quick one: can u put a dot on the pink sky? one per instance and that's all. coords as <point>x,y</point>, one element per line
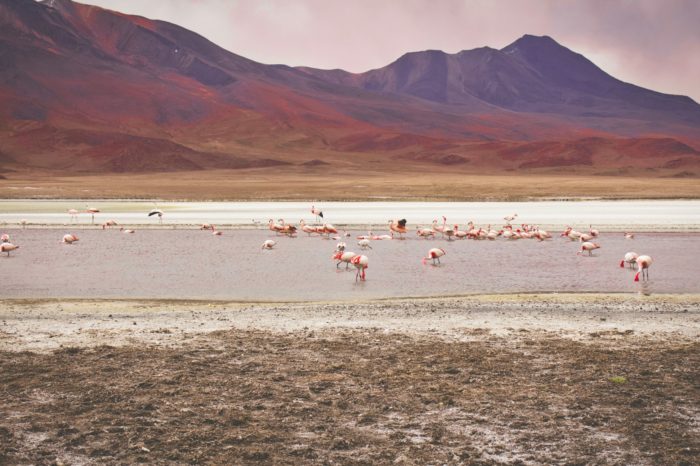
<point>651,43</point>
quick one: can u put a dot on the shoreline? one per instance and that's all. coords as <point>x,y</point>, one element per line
<point>48,324</point>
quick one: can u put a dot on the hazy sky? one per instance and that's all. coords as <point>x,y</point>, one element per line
<point>651,43</point>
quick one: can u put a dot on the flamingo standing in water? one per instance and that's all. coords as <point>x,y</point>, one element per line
<point>434,254</point>
<point>587,246</point>
<point>425,233</point>
<point>268,244</point>
<point>109,224</point>
<point>157,212</point>
<point>440,229</point>
<point>629,235</point>
<point>643,264</point>
<point>509,218</point>
<point>309,230</point>
<point>593,232</point>
<point>398,227</point>
<point>69,239</point>
<point>328,229</point>
<point>361,263</point>
<point>449,232</point>
<point>317,213</point>
<point>460,234</point>
<point>5,238</point>
<point>128,232</point>
<point>630,259</point>
<point>572,234</point>
<point>344,256</point>
<point>92,211</point>
<point>206,226</point>
<point>7,247</point>
<point>364,243</point>
<point>73,215</point>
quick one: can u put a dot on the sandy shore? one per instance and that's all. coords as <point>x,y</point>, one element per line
<point>518,379</point>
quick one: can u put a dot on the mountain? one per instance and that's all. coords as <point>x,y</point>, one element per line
<point>84,89</point>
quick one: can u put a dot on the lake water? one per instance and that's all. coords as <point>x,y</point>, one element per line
<point>652,215</point>
<point>166,263</point>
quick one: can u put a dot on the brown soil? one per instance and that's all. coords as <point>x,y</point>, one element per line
<point>361,395</point>
<point>377,181</point>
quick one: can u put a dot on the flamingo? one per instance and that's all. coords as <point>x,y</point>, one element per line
<point>309,230</point>
<point>276,227</point>
<point>340,247</point>
<point>593,232</point>
<point>425,233</point>
<point>207,226</point>
<point>587,246</point>
<point>92,211</point>
<point>364,243</point>
<point>460,234</point>
<point>585,237</point>
<point>7,247</point>
<point>434,254</point>
<point>317,213</point>
<point>108,224</point>
<point>361,263</point>
<point>643,264</point>
<point>449,232</point>
<point>327,229</point>
<point>217,232</point>
<point>289,230</point>
<point>630,259</point>
<point>629,235</point>
<point>342,256</point>
<point>509,218</point>
<point>73,215</point>
<point>69,239</point>
<point>440,229</point>
<point>398,227</point>
<point>572,234</point>
<point>127,231</point>
<point>268,244</point>
<point>493,234</point>
<point>157,212</point>
<point>5,238</point>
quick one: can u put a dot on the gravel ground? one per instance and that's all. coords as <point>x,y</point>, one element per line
<point>509,379</point>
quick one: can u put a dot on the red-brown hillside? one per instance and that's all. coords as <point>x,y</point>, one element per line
<point>83,89</point>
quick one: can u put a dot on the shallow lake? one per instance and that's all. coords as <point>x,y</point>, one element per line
<point>167,263</point>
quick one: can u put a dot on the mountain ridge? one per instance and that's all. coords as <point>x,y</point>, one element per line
<point>84,74</point>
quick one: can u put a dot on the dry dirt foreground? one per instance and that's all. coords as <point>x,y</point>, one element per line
<point>515,379</point>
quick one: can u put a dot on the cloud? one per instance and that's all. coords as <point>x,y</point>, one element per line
<point>655,44</point>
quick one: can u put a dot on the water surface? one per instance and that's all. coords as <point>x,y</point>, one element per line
<point>195,264</point>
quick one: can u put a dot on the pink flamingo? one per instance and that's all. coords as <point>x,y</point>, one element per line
<point>317,213</point>
<point>92,211</point>
<point>268,244</point>
<point>643,264</point>
<point>7,247</point>
<point>629,235</point>
<point>587,246</point>
<point>309,230</point>
<point>361,263</point>
<point>5,238</point>
<point>592,231</point>
<point>630,259</point>
<point>73,215</point>
<point>344,256</point>
<point>109,224</point>
<point>69,239</point>
<point>434,254</point>
<point>129,232</point>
